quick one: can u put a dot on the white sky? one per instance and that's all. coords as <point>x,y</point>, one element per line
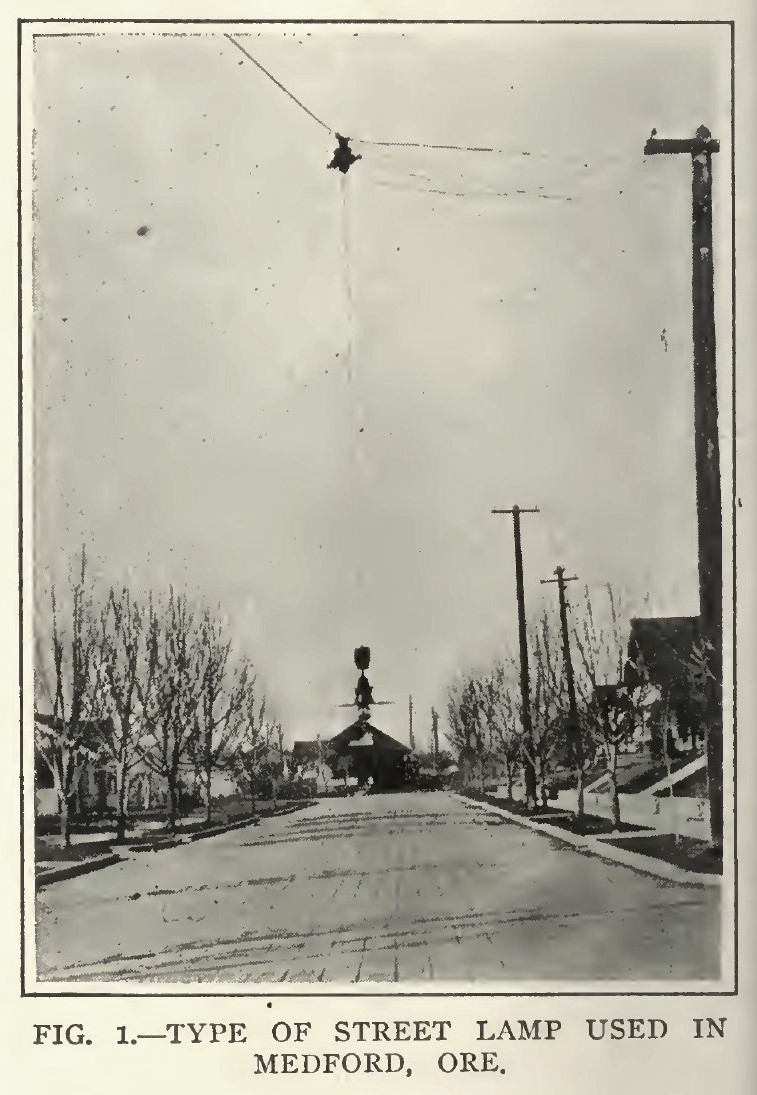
<point>200,390</point>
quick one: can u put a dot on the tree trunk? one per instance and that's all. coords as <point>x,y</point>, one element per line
<point>208,796</point>
<point>510,776</point>
<point>65,832</point>
<point>530,781</point>
<point>580,791</point>
<point>671,807</point>
<point>173,805</point>
<point>208,776</point>
<point>121,782</point>
<point>540,792</point>
<point>613,774</point>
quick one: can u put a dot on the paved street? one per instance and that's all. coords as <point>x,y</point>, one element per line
<point>406,887</point>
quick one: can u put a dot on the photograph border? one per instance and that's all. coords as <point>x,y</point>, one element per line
<point>23,211</point>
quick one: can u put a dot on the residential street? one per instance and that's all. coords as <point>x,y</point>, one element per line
<point>402,887</point>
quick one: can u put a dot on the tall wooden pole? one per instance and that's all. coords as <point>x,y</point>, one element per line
<point>529,770</point>
<point>706,445</point>
<point>435,733</point>
<point>410,719</point>
<point>575,743</point>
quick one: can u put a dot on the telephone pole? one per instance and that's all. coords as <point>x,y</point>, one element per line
<point>529,770</point>
<point>575,744</point>
<point>706,444</point>
<point>410,718</point>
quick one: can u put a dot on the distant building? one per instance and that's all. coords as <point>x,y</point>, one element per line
<point>361,752</point>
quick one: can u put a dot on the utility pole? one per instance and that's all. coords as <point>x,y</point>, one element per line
<point>575,744</point>
<point>410,718</point>
<point>529,771</point>
<point>435,733</point>
<point>706,444</point>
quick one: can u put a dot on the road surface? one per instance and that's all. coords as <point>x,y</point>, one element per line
<point>406,887</point>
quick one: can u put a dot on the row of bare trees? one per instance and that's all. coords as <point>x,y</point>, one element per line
<point>485,707</point>
<point>128,682</point>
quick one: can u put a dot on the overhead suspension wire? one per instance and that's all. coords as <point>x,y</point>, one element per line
<point>514,153</point>
<point>420,144</point>
<point>368,140</point>
<point>279,84</point>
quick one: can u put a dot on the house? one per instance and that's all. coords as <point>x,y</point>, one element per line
<point>360,752</point>
<point>95,787</point>
<point>660,651</point>
<point>364,751</point>
<point>661,774</point>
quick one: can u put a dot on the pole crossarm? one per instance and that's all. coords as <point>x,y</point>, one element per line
<point>703,141</point>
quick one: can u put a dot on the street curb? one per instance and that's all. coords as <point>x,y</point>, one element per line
<point>202,834</point>
<point>599,848</point>
<point>227,828</point>
<point>218,830</point>
<point>47,877</point>
<point>72,870</point>
<point>189,838</point>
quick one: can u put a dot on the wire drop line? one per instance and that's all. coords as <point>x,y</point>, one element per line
<point>347,269</point>
<point>278,84</point>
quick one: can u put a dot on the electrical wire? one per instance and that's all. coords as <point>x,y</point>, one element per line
<point>393,184</point>
<point>368,140</point>
<point>347,268</point>
<point>279,84</point>
<point>512,152</point>
<point>420,144</point>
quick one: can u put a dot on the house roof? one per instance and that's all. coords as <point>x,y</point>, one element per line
<point>664,645</point>
<point>306,750</point>
<point>364,735</point>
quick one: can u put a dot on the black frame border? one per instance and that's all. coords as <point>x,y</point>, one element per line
<point>21,23</point>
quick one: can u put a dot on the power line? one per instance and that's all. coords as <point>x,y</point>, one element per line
<point>512,152</point>
<point>279,84</point>
<point>420,144</point>
<point>395,184</point>
<point>367,140</point>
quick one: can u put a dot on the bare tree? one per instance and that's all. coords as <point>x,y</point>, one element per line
<point>465,706</point>
<point>550,702</point>
<point>505,722</point>
<point>613,711</point>
<point>250,745</point>
<point>68,682</point>
<point>124,655</point>
<point>222,694</point>
<point>170,695</point>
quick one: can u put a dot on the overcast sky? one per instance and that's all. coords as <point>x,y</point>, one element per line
<point>301,393</point>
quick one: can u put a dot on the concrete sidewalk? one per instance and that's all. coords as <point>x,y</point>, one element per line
<point>598,845</point>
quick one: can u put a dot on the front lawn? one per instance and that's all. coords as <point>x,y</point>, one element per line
<point>684,851</point>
